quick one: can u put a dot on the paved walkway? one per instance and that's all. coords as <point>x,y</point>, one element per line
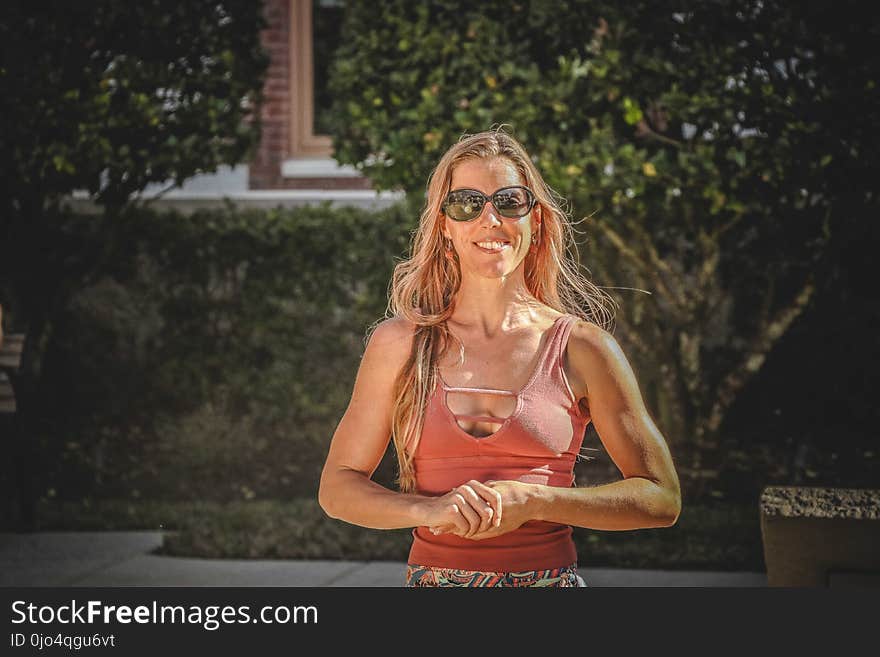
<point>127,559</point>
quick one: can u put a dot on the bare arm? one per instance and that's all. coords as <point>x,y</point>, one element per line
<point>346,490</point>
<point>648,495</point>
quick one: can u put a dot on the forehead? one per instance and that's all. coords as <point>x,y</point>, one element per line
<point>485,174</point>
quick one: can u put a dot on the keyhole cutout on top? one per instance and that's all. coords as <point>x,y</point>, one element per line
<point>480,414</point>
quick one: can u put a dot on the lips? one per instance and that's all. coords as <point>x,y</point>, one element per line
<point>492,246</point>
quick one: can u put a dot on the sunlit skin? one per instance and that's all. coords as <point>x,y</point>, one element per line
<point>493,293</point>
<point>486,275</point>
<point>500,323</point>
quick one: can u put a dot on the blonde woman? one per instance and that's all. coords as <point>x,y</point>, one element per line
<point>496,357</point>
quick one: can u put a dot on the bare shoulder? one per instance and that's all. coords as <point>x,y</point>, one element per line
<point>588,340</point>
<point>391,340</point>
<point>595,356</point>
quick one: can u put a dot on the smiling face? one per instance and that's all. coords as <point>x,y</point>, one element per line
<point>490,245</point>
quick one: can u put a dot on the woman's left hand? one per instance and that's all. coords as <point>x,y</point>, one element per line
<point>515,500</point>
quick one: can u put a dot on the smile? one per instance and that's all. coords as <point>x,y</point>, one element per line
<point>492,247</point>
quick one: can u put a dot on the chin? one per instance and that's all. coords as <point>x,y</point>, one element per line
<point>499,271</point>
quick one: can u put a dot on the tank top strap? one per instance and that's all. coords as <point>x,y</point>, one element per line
<point>551,359</point>
<point>549,362</point>
<point>567,326</point>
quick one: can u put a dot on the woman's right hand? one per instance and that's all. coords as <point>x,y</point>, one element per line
<point>466,510</point>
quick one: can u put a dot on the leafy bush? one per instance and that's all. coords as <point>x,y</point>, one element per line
<point>703,139</point>
<point>706,537</point>
<point>196,369</point>
<point>215,356</point>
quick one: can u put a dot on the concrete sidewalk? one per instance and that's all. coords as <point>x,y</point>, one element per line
<point>127,559</point>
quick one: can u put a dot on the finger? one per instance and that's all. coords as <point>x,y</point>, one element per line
<point>489,533</point>
<point>459,519</point>
<point>491,497</point>
<point>483,507</point>
<point>479,504</point>
<point>474,519</point>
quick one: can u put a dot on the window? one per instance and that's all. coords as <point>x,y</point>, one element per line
<point>315,34</point>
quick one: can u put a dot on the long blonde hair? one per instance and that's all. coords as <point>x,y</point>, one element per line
<point>423,287</point>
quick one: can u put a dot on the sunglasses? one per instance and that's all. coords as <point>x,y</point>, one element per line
<point>467,204</point>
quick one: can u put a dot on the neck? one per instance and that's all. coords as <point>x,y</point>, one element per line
<point>495,305</point>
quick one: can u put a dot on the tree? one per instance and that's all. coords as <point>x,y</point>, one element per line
<point>705,141</point>
<point>109,97</point>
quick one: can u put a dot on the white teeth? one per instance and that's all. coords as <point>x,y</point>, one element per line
<point>492,246</point>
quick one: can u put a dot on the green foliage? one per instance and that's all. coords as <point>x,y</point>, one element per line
<point>727,103</point>
<point>298,529</point>
<point>707,537</point>
<point>217,353</point>
<point>704,140</point>
<point>109,97</point>
<point>722,537</point>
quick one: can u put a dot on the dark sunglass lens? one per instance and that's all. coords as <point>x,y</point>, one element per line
<point>512,202</point>
<point>463,206</point>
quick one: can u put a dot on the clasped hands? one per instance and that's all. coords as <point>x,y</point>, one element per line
<point>478,510</point>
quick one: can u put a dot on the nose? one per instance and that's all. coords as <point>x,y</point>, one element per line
<point>490,215</point>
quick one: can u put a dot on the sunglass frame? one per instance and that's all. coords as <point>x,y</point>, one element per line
<point>529,194</point>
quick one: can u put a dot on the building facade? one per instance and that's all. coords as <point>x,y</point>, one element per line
<point>294,163</point>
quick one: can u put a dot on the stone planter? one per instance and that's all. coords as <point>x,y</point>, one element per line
<point>821,537</point>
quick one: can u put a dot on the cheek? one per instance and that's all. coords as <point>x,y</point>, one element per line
<point>524,234</point>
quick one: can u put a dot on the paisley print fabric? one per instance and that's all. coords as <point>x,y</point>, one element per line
<point>417,575</point>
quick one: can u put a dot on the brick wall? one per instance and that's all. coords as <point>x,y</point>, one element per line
<point>265,170</point>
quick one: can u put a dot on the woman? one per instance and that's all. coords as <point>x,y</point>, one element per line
<point>486,375</point>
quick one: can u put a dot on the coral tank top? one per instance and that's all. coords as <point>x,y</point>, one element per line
<point>537,443</point>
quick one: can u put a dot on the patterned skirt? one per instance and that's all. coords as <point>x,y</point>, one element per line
<point>434,576</point>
